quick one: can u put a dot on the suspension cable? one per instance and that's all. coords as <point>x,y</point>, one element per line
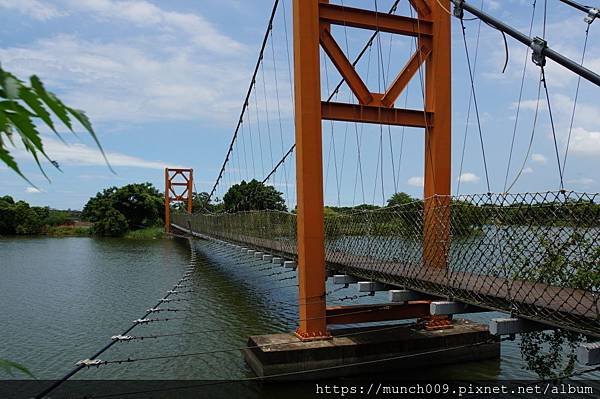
<point>366,47</point>
<point>59,382</point>
<point>525,63</point>
<point>247,98</point>
<point>462,157</point>
<point>487,178</point>
<point>562,184</point>
<point>585,42</point>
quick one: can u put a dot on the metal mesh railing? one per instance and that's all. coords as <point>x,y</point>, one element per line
<point>534,255</point>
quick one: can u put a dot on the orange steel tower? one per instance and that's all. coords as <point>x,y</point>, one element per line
<point>312,21</point>
<point>179,185</point>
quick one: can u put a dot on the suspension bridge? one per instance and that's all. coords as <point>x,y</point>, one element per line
<point>533,256</point>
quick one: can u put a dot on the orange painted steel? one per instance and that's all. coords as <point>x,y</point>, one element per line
<point>438,100</point>
<point>366,19</point>
<point>312,20</point>
<point>374,313</point>
<point>407,73</point>
<point>309,171</point>
<point>437,322</point>
<point>175,177</point>
<point>344,66</point>
<point>370,114</point>
<point>422,6</point>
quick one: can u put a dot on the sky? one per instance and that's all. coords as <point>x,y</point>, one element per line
<point>164,83</point>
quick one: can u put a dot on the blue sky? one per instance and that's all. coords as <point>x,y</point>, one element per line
<point>163,83</point>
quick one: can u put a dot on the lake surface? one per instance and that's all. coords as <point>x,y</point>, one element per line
<point>63,298</point>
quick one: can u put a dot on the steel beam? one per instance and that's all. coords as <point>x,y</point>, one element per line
<point>421,7</point>
<point>379,115</point>
<point>309,170</point>
<point>373,313</point>
<point>345,67</point>
<point>171,195</point>
<point>367,19</point>
<point>438,141</point>
<point>407,73</point>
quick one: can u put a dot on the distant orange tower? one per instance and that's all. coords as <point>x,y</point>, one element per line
<point>179,185</point>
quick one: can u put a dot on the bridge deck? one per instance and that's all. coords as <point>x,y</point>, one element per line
<point>534,300</point>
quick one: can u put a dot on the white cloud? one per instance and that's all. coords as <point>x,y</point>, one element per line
<point>134,81</point>
<point>539,158</point>
<point>33,190</point>
<point>582,182</point>
<point>528,170</point>
<point>35,9</point>
<point>147,15</point>
<point>416,181</point>
<point>468,177</point>
<point>585,143</point>
<point>493,5</point>
<point>81,154</point>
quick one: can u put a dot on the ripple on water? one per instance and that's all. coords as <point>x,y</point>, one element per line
<point>65,298</point>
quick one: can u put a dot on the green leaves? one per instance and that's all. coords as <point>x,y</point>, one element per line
<point>59,109</point>
<point>22,107</point>
<point>8,367</point>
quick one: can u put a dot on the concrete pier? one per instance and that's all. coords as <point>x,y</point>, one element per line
<point>368,350</point>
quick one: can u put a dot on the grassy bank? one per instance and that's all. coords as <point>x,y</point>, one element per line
<point>149,233</point>
<point>69,231</point>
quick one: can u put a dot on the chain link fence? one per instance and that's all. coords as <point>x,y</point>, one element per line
<point>534,255</point>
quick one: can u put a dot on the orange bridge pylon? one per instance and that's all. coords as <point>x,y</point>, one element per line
<point>179,184</point>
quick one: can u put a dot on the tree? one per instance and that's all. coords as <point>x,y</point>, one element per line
<point>253,195</point>
<point>21,106</point>
<point>112,224</point>
<point>19,218</point>
<point>400,198</point>
<point>201,203</point>
<point>139,205</point>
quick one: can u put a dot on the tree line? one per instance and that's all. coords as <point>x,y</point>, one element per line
<point>20,218</point>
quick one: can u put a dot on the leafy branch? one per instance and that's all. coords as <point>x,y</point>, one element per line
<point>23,105</point>
<point>9,367</point>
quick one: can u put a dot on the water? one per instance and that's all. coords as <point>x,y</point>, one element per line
<point>63,298</point>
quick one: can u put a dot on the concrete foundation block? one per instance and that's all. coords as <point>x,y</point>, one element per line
<point>351,349</point>
<point>589,353</point>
